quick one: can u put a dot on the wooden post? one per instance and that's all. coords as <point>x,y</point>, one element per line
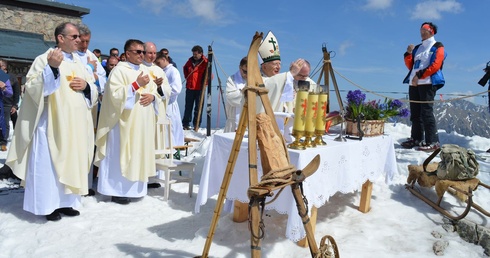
<point>365,204</point>
<point>240,211</point>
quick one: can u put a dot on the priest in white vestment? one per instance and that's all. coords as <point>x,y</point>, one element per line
<point>280,86</point>
<point>235,97</point>
<point>94,67</point>
<point>126,132</point>
<point>53,143</point>
<point>173,110</point>
<point>158,76</point>
<point>91,61</point>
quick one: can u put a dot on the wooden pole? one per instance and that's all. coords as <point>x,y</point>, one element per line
<point>247,118</point>
<point>242,126</point>
<point>208,98</point>
<point>253,79</point>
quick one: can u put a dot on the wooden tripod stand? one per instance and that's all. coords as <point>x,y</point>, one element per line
<point>257,195</point>
<point>327,73</point>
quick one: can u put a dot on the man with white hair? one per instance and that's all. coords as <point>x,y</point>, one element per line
<point>158,76</point>
<point>90,59</point>
<point>95,68</point>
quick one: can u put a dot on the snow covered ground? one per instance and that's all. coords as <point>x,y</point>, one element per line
<point>398,225</point>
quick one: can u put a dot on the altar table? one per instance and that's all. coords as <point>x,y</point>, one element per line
<point>344,167</point>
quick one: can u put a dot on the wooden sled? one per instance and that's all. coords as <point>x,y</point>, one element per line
<point>425,176</point>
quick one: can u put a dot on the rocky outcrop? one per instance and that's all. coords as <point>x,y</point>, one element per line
<point>470,232</point>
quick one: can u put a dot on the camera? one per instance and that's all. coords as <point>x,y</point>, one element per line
<point>303,85</point>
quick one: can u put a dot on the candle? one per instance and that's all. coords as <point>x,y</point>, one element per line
<point>311,113</point>
<point>322,112</point>
<point>300,111</point>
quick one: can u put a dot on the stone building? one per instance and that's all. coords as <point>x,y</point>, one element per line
<point>27,30</point>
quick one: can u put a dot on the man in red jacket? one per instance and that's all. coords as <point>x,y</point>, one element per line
<point>194,70</point>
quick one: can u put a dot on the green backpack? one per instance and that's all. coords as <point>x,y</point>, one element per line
<point>457,163</point>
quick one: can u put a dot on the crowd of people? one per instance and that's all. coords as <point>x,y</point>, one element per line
<point>84,118</point>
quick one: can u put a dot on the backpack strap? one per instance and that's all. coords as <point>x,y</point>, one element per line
<point>437,45</point>
<point>427,161</point>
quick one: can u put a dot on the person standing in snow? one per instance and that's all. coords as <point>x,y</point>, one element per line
<point>53,143</point>
<point>425,62</point>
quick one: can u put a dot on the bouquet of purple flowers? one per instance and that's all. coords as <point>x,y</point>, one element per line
<point>358,108</point>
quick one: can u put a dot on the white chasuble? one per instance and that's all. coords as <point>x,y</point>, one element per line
<point>126,134</point>
<point>52,146</point>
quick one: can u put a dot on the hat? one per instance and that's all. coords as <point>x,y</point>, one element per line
<point>269,48</point>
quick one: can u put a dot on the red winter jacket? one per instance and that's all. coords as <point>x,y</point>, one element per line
<point>194,75</point>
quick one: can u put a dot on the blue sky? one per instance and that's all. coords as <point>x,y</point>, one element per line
<point>368,37</point>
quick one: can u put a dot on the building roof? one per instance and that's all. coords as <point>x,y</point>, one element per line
<point>22,47</point>
<point>48,6</point>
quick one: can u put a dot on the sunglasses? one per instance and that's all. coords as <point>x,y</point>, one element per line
<point>139,52</point>
<point>73,37</point>
<point>244,71</point>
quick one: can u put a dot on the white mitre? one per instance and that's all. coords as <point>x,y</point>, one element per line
<point>269,48</point>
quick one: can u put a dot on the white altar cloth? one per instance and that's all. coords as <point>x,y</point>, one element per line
<point>344,167</point>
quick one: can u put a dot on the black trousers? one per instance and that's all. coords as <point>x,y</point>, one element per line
<point>422,114</point>
<point>7,116</point>
<point>192,99</point>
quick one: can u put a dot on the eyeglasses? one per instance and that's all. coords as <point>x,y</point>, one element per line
<point>139,52</point>
<point>244,71</point>
<point>73,37</point>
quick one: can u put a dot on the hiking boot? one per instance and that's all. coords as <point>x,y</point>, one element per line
<point>429,147</point>
<point>410,143</point>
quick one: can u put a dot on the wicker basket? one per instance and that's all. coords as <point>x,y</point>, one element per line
<point>369,127</point>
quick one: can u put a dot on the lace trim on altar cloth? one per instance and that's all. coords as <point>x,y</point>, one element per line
<point>344,168</point>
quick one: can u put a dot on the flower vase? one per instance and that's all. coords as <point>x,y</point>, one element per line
<point>369,127</point>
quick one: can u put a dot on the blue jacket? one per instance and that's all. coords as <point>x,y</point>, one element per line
<point>437,78</point>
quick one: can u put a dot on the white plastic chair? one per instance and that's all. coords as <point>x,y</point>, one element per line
<point>173,170</point>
